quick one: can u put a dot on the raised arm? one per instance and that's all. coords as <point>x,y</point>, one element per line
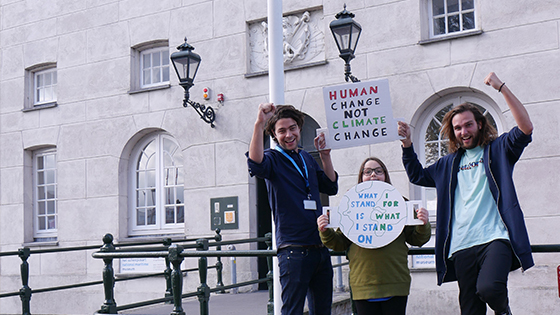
<point>325,155</point>
<point>518,111</point>
<point>256,147</point>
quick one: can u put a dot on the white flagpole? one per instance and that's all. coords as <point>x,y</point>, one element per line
<point>276,91</point>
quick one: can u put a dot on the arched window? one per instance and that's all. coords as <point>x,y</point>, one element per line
<point>431,144</point>
<point>157,187</point>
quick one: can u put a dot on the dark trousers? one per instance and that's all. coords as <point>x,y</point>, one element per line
<point>306,272</point>
<point>482,273</point>
<point>394,306</point>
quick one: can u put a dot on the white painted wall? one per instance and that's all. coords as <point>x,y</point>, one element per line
<point>96,122</point>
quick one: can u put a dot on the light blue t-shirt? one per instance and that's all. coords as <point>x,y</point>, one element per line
<point>475,219</point>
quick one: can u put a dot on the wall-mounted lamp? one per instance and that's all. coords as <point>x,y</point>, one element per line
<point>186,63</point>
<point>346,33</point>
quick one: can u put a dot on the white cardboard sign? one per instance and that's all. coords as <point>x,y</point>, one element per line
<point>372,214</point>
<point>358,114</point>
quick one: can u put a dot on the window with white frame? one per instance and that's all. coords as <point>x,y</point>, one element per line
<point>154,67</point>
<point>157,187</point>
<point>45,214</point>
<point>42,86</point>
<point>451,16</point>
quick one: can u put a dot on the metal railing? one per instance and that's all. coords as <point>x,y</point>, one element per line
<point>174,252</point>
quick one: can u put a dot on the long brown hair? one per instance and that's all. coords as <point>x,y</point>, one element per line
<point>362,167</point>
<point>487,132</point>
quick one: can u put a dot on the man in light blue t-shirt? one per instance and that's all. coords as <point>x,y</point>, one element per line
<point>480,231</point>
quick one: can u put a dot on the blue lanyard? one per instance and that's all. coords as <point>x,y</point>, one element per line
<point>305,177</point>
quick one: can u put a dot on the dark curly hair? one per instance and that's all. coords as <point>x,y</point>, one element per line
<point>283,111</point>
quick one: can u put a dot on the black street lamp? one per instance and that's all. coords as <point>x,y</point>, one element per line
<point>346,33</point>
<point>186,63</point>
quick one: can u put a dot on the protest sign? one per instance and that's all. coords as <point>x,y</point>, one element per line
<point>359,114</point>
<point>372,214</point>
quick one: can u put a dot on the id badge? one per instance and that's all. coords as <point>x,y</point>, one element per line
<point>309,204</point>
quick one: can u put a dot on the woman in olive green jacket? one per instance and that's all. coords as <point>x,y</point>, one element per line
<point>379,278</point>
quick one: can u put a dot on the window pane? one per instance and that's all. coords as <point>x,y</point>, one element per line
<point>51,220</point>
<point>452,6</point>
<point>439,116</point>
<point>50,176</point>
<point>50,161</point>
<point>151,200</point>
<point>169,215</point>
<point>147,78</point>
<point>180,195</point>
<point>140,217</point>
<point>431,151</point>
<point>439,26</point>
<point>151,216</point>
<point>40,178</point>
<point>169,196</point>
<point>51,207</point>
<point>42,223</point>
<point>51,191</point>
<point>140,198</point>
<point>453,23</point>
<point>41,205</point>
<point>41,195</point>
<point>467,4</point>
<point>151,178</point>
<point>180,214</point>
<point>48,80</point>
<point>40,163</point>
<point>156,75</point>
<point>438,7</point>
<point>432,133</point>
<point>491,121</point>
<point>156,59</point>
<point>468,21</point>
<point>146,61</point>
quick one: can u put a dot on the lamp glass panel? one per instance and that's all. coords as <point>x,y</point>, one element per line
<point>356,30</point>
<point>193,67</point>
<point>342,36</point>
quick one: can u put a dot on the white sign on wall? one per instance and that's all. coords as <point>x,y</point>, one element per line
<point>359,114</point>
<point>372,214</point>
<point>142,265</point>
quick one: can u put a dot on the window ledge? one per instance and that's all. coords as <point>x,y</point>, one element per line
<point>41,244</point>
<point>449,37</point>
<point>152,88</point>
<point>40,106</point>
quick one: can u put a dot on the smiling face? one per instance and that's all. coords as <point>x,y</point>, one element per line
<point>466,129</point>
<point>287,133</point>
<point>375,170</point>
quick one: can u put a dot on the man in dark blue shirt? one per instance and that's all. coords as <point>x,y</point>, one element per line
<point>294,181</point>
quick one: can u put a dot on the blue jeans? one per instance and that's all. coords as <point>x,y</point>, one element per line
<point>305,272</point>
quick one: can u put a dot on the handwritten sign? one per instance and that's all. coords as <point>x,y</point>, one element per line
<point>372,214</point>
<point>359,114</point>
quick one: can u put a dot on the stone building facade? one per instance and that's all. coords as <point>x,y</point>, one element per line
<point>94,138</point>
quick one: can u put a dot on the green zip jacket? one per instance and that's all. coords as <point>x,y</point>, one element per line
<point>380,272</point>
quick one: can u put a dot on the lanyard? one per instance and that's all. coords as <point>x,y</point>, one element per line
<point>306,176</point>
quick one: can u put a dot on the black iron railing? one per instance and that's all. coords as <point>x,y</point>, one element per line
<point>174,252</point>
